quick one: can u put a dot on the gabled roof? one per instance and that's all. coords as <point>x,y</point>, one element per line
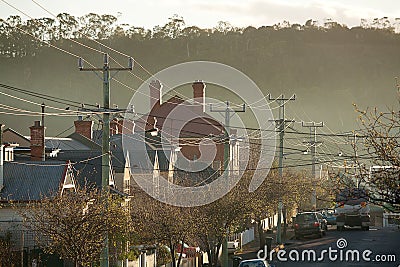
<point>200,125</point>
<point>85,141</point>
<point>25,181</point>
<point>142,151</point>
<point>64,143</point>
<point>72,142</point>
<point>12,136</point>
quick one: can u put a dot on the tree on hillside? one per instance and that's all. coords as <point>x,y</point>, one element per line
<point>67,26</point>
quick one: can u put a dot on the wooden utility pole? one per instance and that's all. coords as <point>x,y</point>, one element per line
<point>281,122</point>
<point>105,159</point>
<point>226,112</point>
<point>313,143</point>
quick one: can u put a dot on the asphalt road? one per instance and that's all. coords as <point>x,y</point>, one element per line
<point>352,247</point>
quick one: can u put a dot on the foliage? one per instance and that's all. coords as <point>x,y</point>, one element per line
<point>161,224</point>
<point>75,224</point>
<point>163,255</point>
<point>380,132</point>
<point>20,38</point>
<point>6,250</point>
<point>221,218</point>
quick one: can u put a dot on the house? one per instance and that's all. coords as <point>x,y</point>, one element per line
<point>23,145</point>
<point>23,182</point>
<point>186,125</point>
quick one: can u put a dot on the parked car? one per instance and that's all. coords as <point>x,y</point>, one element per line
<point>254,263</point>
<point>309,223</point>
<point>329,216</point>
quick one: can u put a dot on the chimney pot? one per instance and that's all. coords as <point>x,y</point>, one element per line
<point>84,128</point>
<point>199,96</point>
<point>115,127</point>
<point>155,93</point>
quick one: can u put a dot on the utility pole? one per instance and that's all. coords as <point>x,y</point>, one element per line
<point>227,114</point>
<point>353,142</point>
<point>313,143</point>
<point>281,122</point>
<point>105,159</point>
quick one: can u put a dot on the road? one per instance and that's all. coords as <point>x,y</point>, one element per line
<point>352,247</point>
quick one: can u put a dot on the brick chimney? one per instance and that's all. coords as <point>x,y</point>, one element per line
<point>199,88</point>
<point>37,141</point>
<point>84,128</point>
<point>127,126</point>
<point>115,126</point>
<point>155,93</point>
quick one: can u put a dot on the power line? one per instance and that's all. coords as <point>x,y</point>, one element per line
<point>113,110</point>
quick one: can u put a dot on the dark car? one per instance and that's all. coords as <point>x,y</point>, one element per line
<point>254,263</point>
<point>309,223</point>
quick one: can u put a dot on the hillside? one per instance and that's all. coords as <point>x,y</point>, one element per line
<point>328,68</point>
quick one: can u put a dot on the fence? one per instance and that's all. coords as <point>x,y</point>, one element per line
<point>244,237</point>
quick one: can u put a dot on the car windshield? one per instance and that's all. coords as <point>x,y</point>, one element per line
<point>255,263</point>
<point>305,217</point>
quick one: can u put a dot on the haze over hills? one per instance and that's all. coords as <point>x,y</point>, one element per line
<point>328,68</point>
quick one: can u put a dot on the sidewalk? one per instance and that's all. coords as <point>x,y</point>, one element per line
<point>254,246</point>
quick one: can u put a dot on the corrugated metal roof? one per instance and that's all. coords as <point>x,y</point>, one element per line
<point>63,143</point>
<point>32,180</point>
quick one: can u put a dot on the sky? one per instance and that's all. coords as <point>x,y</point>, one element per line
<point>207,13</point>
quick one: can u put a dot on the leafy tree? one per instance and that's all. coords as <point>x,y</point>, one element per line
<point>6,252</point>
<point>96,26</point>
<point>381,132</point>
<point>67,25</point>
<point>223,27</point>
<point>220,219</point>
<point>75,225</point>
<point>162,224</point>
<point>173,28</point>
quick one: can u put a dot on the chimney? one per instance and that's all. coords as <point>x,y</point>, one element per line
<point>37,142</point>
<point>199,88</point>
<point>84,128</point>
<point>155,93</point>
<point>115,127</point>
<point>126,126</point>
<point>1,158</point>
